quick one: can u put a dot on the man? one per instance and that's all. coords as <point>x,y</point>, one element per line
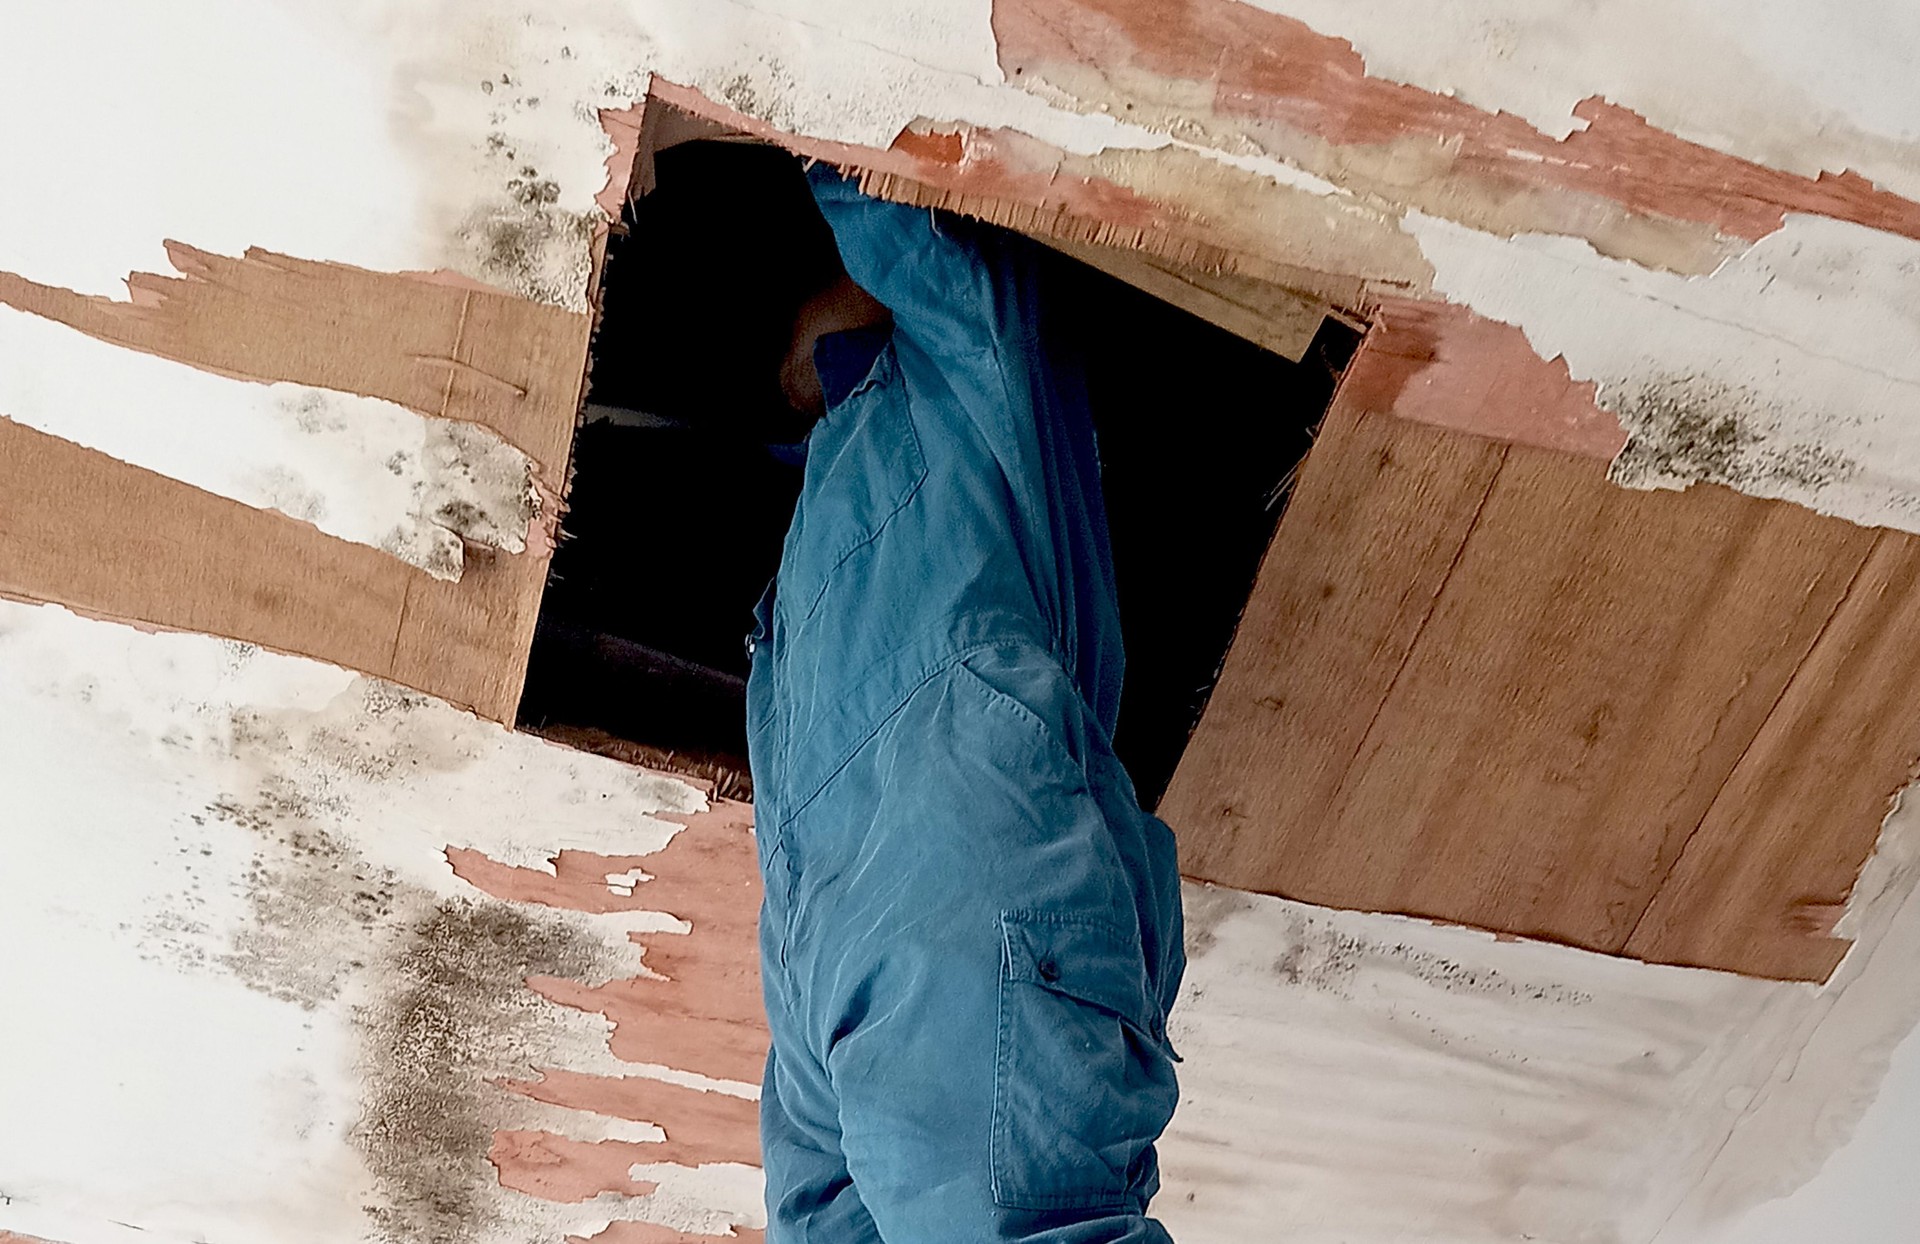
<point>971,932</point>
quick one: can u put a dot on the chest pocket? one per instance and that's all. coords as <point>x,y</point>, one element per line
<point>863,468</point>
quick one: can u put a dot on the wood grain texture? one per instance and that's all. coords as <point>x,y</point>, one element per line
<point>109,539</point>
<point>1519,717</point>
<point>1769,870</point>
<point>437,345</point>
<point>1377,519</point>
<point>87,531</point>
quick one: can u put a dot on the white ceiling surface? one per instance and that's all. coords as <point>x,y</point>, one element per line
<point>1866,1192</point>
<point>191,1055</point>
<point>359,468</point>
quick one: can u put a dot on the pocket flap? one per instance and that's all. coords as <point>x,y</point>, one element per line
<point>1083,957</point>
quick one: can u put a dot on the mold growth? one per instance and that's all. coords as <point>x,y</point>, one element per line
<point>470,486</point>
<point>314,904</point>
<point>449,483</point>
<point>352,912</point>
<point>454,1016</point>
<point>1683,430</point>
<point>520,239</point>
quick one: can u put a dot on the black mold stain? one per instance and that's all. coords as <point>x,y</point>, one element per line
<point>315,904</point>
<point>456,1012</point>
<point>1687,428</point>
<point>1324,960</point>
<point>1452,976</point>
<point>516,240</point>
<point>766,95</point>
<point>434,986</point>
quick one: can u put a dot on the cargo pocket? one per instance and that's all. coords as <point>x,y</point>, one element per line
<point>1082,1082</point>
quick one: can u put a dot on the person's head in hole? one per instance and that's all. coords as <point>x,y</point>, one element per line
<point>729,279</point>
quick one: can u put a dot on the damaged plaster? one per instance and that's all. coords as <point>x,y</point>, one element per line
<point>1800,88</point>
<point>356,467</point>
<point>474,142</point>
<point>246,852</point>
<point>1792,373</point>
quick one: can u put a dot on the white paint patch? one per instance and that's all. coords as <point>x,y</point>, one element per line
<point>703,1200</point>
<point>1796,86</point>
<point>225,123</point>
<point>1792,372</point>
<point>356,467</point>
<point>693,1080</point>
<point>1363,1079</point>
<point>622,884</point>
<point>240,856</point>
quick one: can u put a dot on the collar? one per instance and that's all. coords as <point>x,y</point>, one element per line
<point>845,359</point>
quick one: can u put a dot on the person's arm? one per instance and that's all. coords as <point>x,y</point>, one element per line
<point>954,289</point>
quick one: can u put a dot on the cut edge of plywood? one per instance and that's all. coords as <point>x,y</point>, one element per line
<point>1268,315</point>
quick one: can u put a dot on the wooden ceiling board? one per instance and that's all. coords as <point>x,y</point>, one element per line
<point>1767,873</point>
<point>1518,713</point>
<point>1376,521</point>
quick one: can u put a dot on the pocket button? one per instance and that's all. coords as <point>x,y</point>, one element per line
<point>1049,970</point>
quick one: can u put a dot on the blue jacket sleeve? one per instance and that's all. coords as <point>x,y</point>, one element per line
<point>954,290</point>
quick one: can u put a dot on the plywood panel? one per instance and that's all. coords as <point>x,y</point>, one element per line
<point>146,549</point>
<point>1770,867</point>
<point>90,532</point>
<point>1376,521</point>
<point>438,345</point>
<point>1536,749</point>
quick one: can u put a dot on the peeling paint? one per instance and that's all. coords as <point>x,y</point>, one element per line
<point>356,467</point>
<point>1792,373</point>
<point>327,1013</point>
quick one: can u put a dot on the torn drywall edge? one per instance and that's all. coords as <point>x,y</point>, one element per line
<point>142,555</point>
<point>1792,373</point>
<point>1165,201</point>
<point>1267,78</point>
<point>357,468</point>
<point>429,341</point>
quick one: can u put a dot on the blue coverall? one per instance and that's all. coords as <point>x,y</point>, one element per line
<point>971,935</point>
